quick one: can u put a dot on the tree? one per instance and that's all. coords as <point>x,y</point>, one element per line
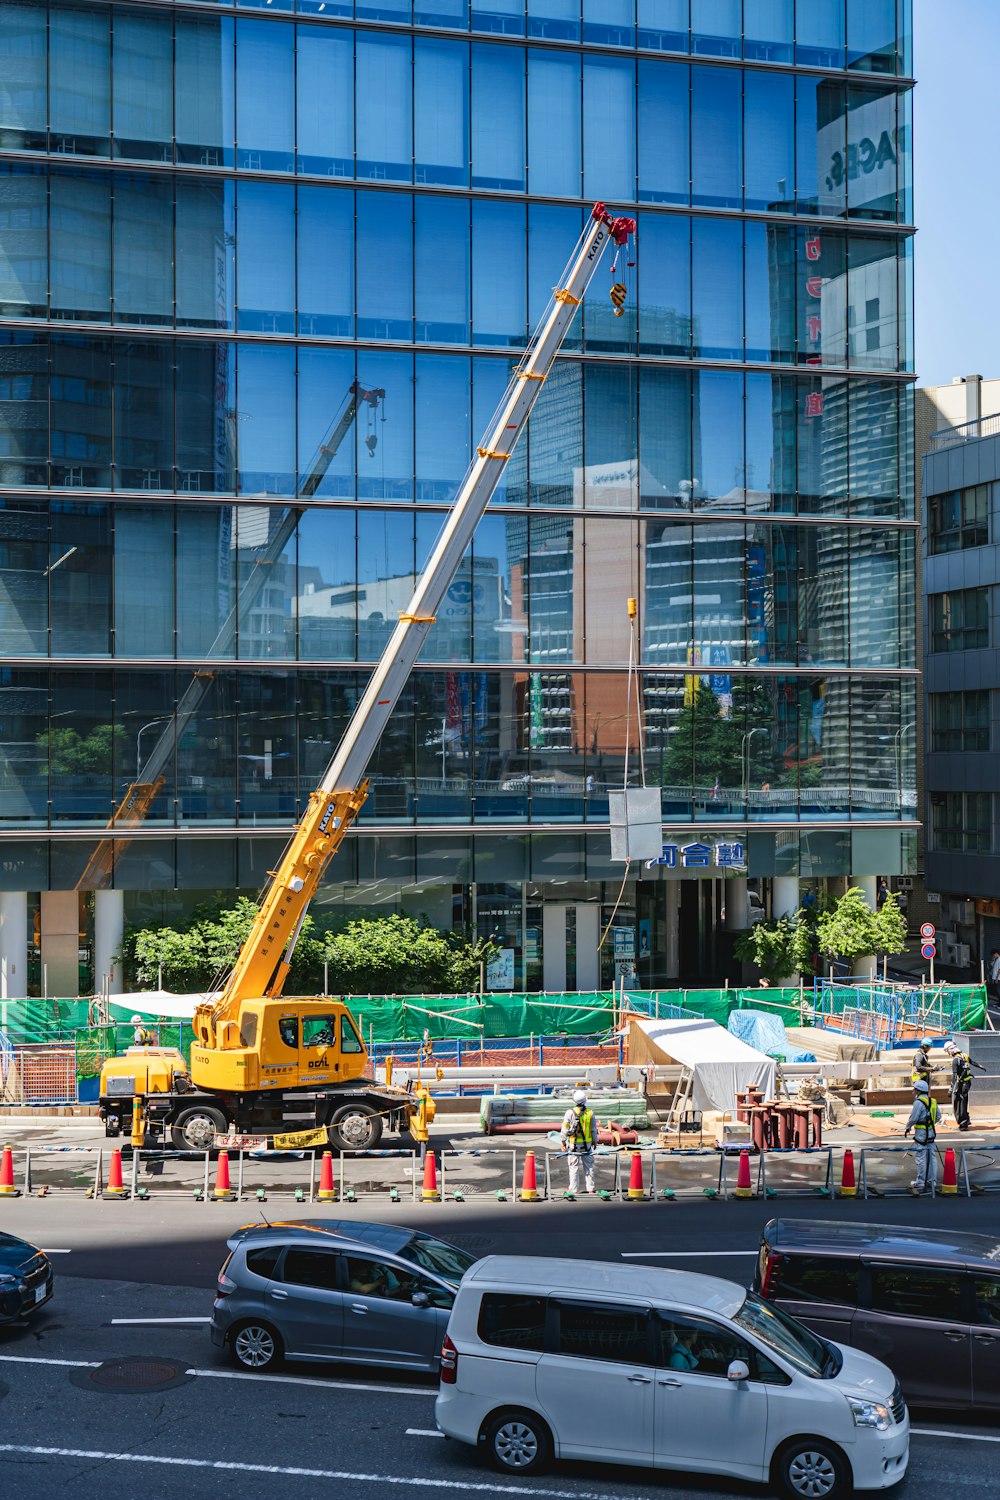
<point>72,754</point>
<point>890,927</point>
<point>773,946</point>
<point>850,930</point>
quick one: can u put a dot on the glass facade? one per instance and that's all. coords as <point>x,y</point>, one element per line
<point>263,277</point>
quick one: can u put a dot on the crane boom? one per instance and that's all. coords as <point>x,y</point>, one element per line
<point>262,964</point>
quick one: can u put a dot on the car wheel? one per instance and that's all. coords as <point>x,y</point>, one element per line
<point>255,1346</point>
<point>196,1127</point>
<point>356,1127</point>
<point>810,1469</point>
<point>518,1442</point>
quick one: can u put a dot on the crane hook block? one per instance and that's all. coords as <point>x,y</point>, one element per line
<point>621,229</point>
<point>618,295</point>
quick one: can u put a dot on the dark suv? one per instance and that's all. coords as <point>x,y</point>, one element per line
<point>924,1301</point>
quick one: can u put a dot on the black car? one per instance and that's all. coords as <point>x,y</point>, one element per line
<point>25,1279</point>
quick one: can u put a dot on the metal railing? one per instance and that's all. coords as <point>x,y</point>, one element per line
<point>965,432</point>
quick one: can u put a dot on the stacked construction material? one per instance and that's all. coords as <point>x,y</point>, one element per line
<point>626,1106</point>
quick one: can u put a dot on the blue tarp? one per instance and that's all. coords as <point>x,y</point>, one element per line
<point>767,1034</point>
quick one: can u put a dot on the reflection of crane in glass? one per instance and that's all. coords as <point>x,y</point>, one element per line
<point>151,774</point>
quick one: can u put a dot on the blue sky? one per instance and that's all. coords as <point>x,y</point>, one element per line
<point>956,197</point>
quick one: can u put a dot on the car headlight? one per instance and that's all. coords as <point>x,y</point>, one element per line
<point>870,1414</point>
<point>7,1280</point>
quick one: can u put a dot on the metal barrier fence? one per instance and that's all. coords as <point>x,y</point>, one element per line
<point>795,1174</point>
<point>688,1174</point>
<point>888,1171</point>
<point>478,1174</point>
<point>607,1174</point>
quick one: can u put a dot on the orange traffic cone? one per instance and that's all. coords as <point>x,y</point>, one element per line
<point>848,1186</point>
<point>949,1177</point>
<point>743,1188</point>
<point>327,1192</point>
<point>529,1183</point>
<point>430,1193</point>
<point>222,1186</point>
<point>635,1187</point>
<point>7,1188</point>
<point>114,1188</point>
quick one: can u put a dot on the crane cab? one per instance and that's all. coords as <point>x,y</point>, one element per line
<point>291,1043</point>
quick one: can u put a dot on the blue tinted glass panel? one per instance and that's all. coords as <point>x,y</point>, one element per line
<point>664,271</point>
<point>80,81</point>
<point>664,24</point>
<point>24,231</point>
<point>822,444</point>
<point>610,23</point>
<point>325,226</point>
<point>664,132</point>
<point>499,303</point>
<point>24,603</point>
<point>552,233</point>
<point>266,745</point>
<point>715,27</point>
<point>266,420</point>
<point>871,35</point>
<point>717,427</point>
<point>769,264</point>
<point>384,102</point>
<point>872,144</point>
<point>554,19</point>
<point>554,123</point>
<point>498,93</point>
<point>904,37</point>
<point>769,29</point>
<point>491,591</point>
<point>905,304</point>
<point>24,410</point>
<point>81,412</point>
<point>385,265</point>
<point>503,17</point>
<point>872,313</point>
<point>451,14</point>
<point>441,256</point>
<point>874,448</point>
<point>819,34</point>
<point>206,417</point>
<point>144,250</point>
<point>204,103</point>
<point>144,583</point>
<point>324,93</point>
<point>444,701</point>
<point>904,157</point>
<point>441,111</point>
<point>385,465</point>
<point>330,407</point>
<point>265,578</point>
<point>443,412</point>
<point>206,561</point>
<point>80,248</point>
<point>555,445</point>
<point>609,155</point>
<point>820,146</point>
<point>610,479</point>
<point>490,378</point>
<point>144,415</point>
<point>265,96</point>
<point>142,87</point>
<point>383,10</point>
<point>385,576</point>
<point>717,288</point>
<point>206,256</point>
<point>716,137</point>
<point>327,591</point>
<point>265,257</point>
<point>769,119</point>
<point>24,96</point>
<point>771,417</point>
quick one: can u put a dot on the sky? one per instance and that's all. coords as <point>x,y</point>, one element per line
<point>956,44</point>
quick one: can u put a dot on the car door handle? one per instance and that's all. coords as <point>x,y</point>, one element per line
<point>359,1307</point>
<point>641,1379</point>
<point>275,1293</point>
<point>986,1338</point>
<point>675,1383</point>
<point>954,1334</point>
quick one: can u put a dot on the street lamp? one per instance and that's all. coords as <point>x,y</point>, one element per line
<point>898,753</point>
<point>164,719</point>
<point>745,758</point>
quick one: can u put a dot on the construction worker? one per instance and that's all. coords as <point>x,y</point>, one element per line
<point>578,1138</point>
<point>920,1070</point>
<point>923,1122</point>
<point>140,1036</point>
<point>961,1082</point>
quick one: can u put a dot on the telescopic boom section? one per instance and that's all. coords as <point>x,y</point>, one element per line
<point>263,962</point>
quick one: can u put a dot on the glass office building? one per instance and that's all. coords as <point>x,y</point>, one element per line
<point>265,270</point>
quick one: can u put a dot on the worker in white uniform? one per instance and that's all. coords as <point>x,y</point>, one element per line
<point>578,1138</point>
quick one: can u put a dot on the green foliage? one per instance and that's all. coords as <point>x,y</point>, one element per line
<point>851,929</point>
<point>773,946</point>
<point>708,745</point>
<point>890,926</point>
<point>72,754</point>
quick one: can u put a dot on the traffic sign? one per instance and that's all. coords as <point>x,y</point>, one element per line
<point>927,950</point>
<point>927,931</point>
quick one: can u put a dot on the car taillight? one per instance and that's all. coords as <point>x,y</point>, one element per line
<point>224,1286</point>
<point>449,1362</point>
<point>769,1282</point>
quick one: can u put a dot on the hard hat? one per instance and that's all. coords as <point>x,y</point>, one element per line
<point>579,1097</point>
<point>920,1087</point>
<point>136,1020</point>
<point>925,1041</point>
<point>950,1047</point>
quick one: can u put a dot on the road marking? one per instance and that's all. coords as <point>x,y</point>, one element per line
<point>423,1432</point>
<point>968,1437</point>
<point>679,1254</point>
<point>57,1252</point>
<point>30,1359</point>
<point>129,1321</point>
<point>224,1466</point>
<point>323,1385</point>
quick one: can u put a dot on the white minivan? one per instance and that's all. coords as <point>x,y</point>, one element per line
<point>663,1369</point>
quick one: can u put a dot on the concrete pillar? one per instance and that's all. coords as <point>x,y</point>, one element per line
<point>867,967</point>
<point>109,929</point>
<point>784,895</point>
<point>737,904</point>
<point>554,948</point>
<point>61,943</point>
<point>588,935</point>
<point>13,945</point>
<point>672,904</point>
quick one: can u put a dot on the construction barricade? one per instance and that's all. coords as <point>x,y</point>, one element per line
<point>687,1174</point>
<point>889,1171</point>
<point>479,1174</point>
<point>393,1175</point>
<point>607,1174</point>
<point>796,1174</point>
<point>979,1169</point>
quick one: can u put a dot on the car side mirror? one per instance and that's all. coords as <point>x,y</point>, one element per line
<point>420,1299</point>
<point>738,1370</point>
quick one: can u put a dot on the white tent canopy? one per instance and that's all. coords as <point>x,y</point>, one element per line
<point>722,1065</point>
<point>158,1005</point>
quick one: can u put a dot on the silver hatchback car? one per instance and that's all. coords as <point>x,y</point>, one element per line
<point>376,1294</point>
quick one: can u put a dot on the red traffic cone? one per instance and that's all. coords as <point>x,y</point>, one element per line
<point>635,1187</point>
<point>529,1182</point>
<point>327,1192</point>
<point>949,1177</point>
<point>743,1188</point>
<point>7,1188</point>
<point>430,1193</point>
<point>848,1186</point>
<point>115,1188</point>
<point>222,1186</point>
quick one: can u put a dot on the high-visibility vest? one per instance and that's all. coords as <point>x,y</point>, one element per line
<point>925,1130</point>
<point>582,1132</point>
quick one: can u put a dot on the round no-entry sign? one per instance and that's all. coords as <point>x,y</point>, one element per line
<point>927,931</point>
<point>927,950</point>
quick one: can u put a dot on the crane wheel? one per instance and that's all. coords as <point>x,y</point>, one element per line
<point>356,1127</point>
<point>196,1126</point>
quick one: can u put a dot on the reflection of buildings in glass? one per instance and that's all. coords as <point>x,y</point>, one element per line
<point>264,626</point>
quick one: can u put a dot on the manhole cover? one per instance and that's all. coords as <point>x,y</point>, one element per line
<point>134,1375</point>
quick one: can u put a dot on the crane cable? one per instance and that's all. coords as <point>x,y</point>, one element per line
<point>633,675</point>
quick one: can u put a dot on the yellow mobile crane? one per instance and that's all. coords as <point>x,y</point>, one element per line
<point>262,1063</point>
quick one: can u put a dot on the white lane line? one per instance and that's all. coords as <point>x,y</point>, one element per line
<point>225,1466</point>
<point>680,1254</point>
<point>56,1252</point>
<point>967,1437</point>
<point>424,1432</point>
<point>30,1359</point>
<point>132,1321</point>
<point>323,1385</point>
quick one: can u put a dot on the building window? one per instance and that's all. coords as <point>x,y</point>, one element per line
<point>960,721</point>
<point>962,822</point>
<point>960,621</point>
<point>959,519</point>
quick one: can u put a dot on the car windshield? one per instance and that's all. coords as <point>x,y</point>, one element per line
<point>789,1338</point>
<point>434,1255</point>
